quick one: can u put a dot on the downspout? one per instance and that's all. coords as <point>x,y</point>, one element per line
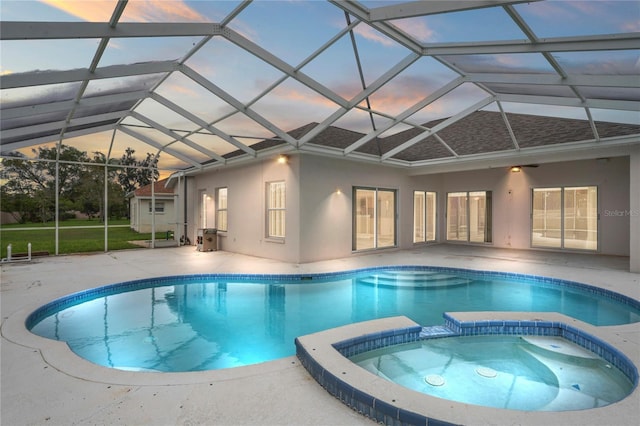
<point>153,214</point>
<point>176,213</point>
<point>185,209</point>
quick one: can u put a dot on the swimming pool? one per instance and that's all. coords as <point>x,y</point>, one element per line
<point>204,322</point>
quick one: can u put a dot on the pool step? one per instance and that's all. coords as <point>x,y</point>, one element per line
<point>414,279</point>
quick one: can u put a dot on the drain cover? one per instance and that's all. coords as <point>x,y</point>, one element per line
<point>486,372</point>
<point>434,380</point>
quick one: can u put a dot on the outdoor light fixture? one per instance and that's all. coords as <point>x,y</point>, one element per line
<point>516,169</point>
<point>283,159</point>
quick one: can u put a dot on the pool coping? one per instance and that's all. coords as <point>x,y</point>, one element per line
<point>323,355</point>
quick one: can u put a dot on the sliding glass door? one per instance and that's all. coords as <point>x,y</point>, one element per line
<point>374,218</point>
<point>565,218</point>
<point>469,216</point>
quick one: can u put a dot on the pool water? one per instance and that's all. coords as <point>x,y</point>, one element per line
<point>195,323</point>
<point>519,373</point>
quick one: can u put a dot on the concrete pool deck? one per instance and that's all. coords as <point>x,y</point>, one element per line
<point>70,391</point>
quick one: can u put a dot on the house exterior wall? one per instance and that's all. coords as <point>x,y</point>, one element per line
<point>141,217</point>
<point>326,230</point>
<point>246,207</point>
<point>512,198</point>
<point>633,214</point>
<point>319,202</point>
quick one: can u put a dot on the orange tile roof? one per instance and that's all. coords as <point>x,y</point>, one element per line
<point>158,188</point>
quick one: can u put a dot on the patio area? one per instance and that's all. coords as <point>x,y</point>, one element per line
<point>44,383</point>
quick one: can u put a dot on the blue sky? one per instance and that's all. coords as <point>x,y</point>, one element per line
<point>293,30</point>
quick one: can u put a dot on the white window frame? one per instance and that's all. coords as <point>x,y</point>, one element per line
<point>563,237</point>
<point>276,211</point>
<point>222,217</point>
<point>425,222</point>
<point>159,207</point>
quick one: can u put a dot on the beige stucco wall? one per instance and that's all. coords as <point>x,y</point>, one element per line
<point>634,210</point>
<point>319,202</point>
<point>327,221</point>
<point>246,207</point>
<point>512,198</point>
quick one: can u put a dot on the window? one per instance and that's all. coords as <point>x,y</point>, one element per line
<point>469,216</point>
<point>203,208</point>
<point>276,210</point>
<point>565,217</point>
<point>374,218</point>
<point>424,216</point>
<point>159,207</point>
<point>221,211</point>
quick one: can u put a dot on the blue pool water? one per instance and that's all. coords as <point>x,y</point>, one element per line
<point>194,323</point>
<point>519,373</point>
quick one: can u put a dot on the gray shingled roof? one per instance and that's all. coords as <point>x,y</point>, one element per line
<point>478,133</point>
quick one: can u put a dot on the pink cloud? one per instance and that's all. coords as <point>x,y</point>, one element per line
<point>136,11</point>
<point>292,94</point>
<point>95,11</point>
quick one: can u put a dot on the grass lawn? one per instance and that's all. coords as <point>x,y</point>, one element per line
<point>72,238</point>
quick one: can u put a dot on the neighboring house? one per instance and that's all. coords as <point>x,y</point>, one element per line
<point>140,208</point>
<point>315,207</point>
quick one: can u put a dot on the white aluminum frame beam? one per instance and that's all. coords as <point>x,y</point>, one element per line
<point>628,41</point>
<point>158,145</point>
<point>380,82</point>
<point>622,81</point>
<point>207,84</point>
<point>570,102</point>
<point>59,125</point>
<point>177,138</point>
<point>39,78</point>
<point>391,31</point>
<point>423,8</point>
<point>54,138</point>
<point>281,65</point>
<point>203,124</point>
<point>406,113</point>
<point>37,109</point>
<point>10,30</point>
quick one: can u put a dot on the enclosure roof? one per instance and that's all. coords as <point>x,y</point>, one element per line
<point>418,84</point>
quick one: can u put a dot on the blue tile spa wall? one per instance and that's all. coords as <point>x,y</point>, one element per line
<point>386,413</point>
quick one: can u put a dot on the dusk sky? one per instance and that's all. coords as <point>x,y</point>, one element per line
<point>292,31</point>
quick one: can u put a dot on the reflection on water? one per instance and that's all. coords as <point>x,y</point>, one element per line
<point>212,325</point>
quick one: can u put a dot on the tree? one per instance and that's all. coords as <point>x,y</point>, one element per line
<point>29,185</point>
<point>137,173</point>
<point>90,192</point>
<point>36,180</point>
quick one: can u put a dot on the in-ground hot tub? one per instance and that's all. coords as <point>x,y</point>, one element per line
<point>551,336</point>
<point>529,373</point>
